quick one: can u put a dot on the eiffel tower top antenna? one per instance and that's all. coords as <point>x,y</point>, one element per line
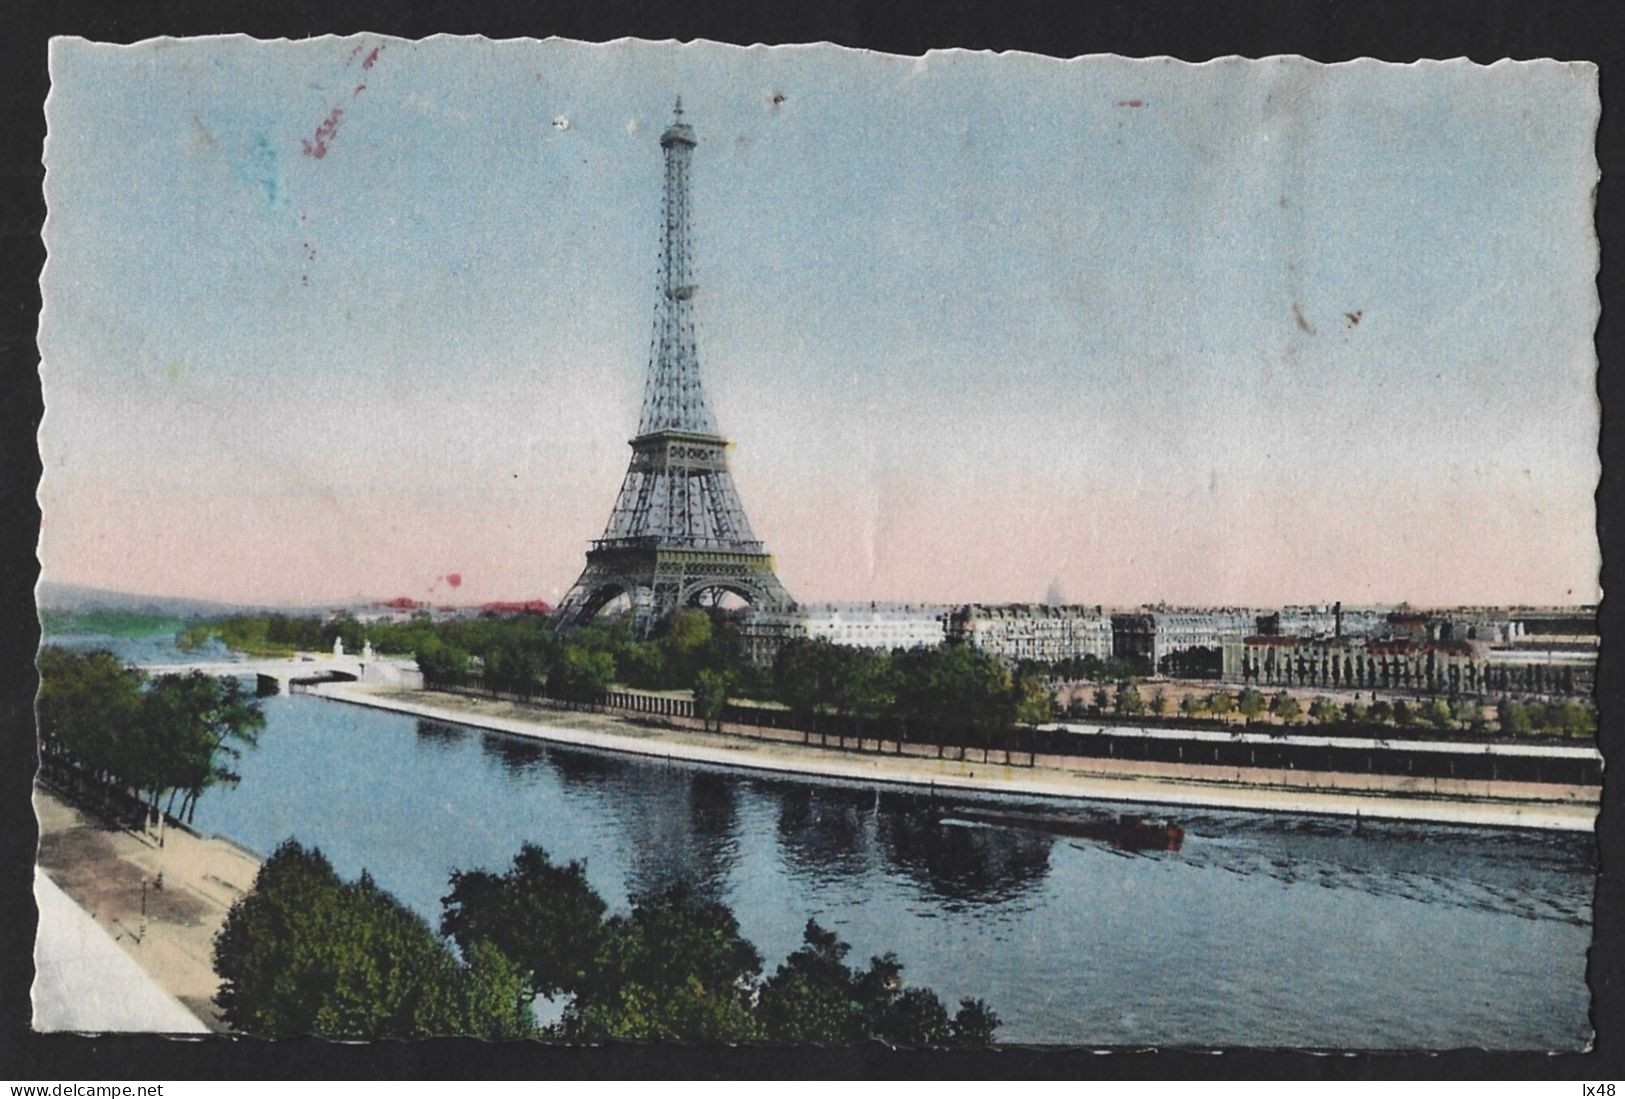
<point>673,397</point>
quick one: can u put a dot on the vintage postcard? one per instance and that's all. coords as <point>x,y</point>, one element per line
<point>575,542</point>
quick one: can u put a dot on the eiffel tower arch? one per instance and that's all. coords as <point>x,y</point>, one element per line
<point>678,535</point>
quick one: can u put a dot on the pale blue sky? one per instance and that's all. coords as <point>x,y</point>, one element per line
<point>975,322</point>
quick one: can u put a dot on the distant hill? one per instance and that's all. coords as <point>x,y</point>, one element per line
<point>59,598</point>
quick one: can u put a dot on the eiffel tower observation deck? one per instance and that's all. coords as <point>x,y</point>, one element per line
<point>678,535</point>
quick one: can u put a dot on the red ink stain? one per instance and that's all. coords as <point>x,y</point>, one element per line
<point>372,58</point>
<point>455,579</point>
<point>400,603</point>
<point>352,55</point>
<point>326,132</point>
<point>359,88</point>
<point>1131,102</point>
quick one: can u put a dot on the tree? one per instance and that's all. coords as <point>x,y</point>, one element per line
<point>676,969</point>
<point>1102,700</point>
<point>1035,704</point>
<point>1380,712</point>
<point>1286,707</point>
<point>305,952</point>
<point>1468,714</point>
<point>1160,705</point>
<point>581,674</point>
<point>543,916</point>
<point>974,1024</point>
<point>810,1000</point>
<point>711,689</point>
<point>1578,720</point>
<point>1437,714</point>
<point>1193,705</point>
<point>1512,718</point>
<point>89,705</point>
<point>441,664</point>
<point>1323,711</point>
<point>1251,703</point>
<point>803,674</point>
<point>863,685</point>
<point>1220,703</point>
<point>1355,713</point>
<point>816,999</point>
<point>1404,713</point>
<point>1129,703</point>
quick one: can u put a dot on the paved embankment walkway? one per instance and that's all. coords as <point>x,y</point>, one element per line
<point>613,734</point>
<point>103,872</point>
<point>84,983</point>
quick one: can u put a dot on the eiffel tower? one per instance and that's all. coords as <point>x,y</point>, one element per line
<point>678,535</point>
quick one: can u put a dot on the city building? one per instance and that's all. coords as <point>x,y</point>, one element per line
<point>1038,632</point>
<point>876,625</point>
<point>1151,636</point>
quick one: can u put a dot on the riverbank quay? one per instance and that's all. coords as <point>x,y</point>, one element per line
<point>776,752</point>
<point>185,887</point>
<point>85,984</point>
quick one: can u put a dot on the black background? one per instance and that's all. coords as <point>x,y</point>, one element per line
<point>1326,30</point>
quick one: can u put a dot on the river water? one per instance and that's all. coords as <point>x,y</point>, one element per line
<point>1263,930</point>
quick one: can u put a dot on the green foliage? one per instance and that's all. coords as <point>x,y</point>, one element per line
<point>582,674</point>
<point>1355,712</point>
<point>1404,713</point>
<point>1035,703</point>
<point>1193,705</point>
<point>178,733</point>
<point>1220,703</point>
<point>1323,711</point>
<point>442,664</point>
<point>1437,714</point>
<point>711,690</point>
<point>1128,702</point>
<point>544,917</point>
<point>1161,705</point>
<point>676,969</point>
<point>816,999</point>
<point>1381,712</point>
<point>90,710</point>
<point>1251,702</point>
<point>111,623</point>
<point>308,953</point>
<point>956,687</point>
<point>1286,707</point>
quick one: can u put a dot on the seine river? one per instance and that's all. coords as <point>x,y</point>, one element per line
<point>1264,930</point>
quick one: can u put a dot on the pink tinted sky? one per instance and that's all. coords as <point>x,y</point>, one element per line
<point>1280,333</point>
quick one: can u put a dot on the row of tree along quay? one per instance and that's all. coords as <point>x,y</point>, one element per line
<point>699,653</point>
<point>142,750</point>
<point>1466,718</point>
<point>307,953</point>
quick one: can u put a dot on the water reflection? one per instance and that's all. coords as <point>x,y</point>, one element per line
<point>517,755</point>
<point>962,864</point>
<point>1535,876</point>
<point>440,736</point>
<point>825,832</point>
<point>679,825</point>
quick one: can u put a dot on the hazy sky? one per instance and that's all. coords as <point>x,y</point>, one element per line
<point>346,316</point>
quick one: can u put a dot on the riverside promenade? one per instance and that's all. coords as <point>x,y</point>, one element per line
<point>93,882</point>
<point>1566,809</point>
